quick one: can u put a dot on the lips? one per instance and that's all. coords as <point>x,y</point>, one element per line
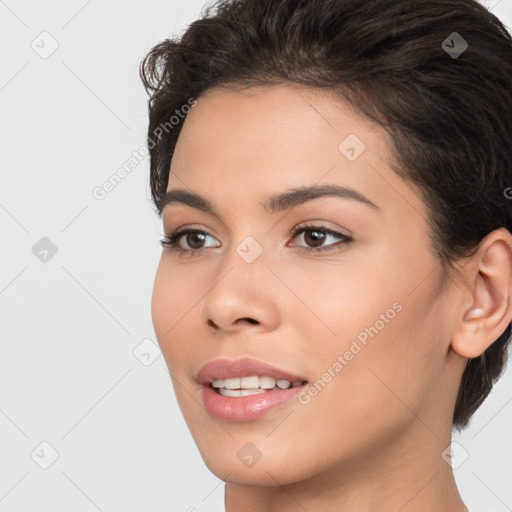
<point>245,408</point>
<point>222,369</point>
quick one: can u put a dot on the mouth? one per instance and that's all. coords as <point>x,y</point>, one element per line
<point>251,385</point>
<point>246,389</point>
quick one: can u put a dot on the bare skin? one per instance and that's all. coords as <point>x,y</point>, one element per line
<point>372,439</point>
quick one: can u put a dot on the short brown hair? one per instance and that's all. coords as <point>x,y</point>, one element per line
<point>404,64</point>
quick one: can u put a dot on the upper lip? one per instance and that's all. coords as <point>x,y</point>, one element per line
<point>225,369</point>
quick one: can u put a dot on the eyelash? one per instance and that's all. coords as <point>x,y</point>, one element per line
<point>170,242</point>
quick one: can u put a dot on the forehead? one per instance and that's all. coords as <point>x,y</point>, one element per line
<point>285,118</point>
<point>251,142</point>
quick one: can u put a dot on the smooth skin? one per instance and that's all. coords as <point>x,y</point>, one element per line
<point>372,439</point>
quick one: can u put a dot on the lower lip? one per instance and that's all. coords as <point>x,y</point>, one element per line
<point>246,408</point>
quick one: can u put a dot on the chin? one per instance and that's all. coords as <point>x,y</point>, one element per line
<point>261,474</point>
<point>243,462</point>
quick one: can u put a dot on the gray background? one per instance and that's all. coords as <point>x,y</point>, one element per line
<point>79,365</point>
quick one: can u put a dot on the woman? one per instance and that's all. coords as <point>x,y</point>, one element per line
<point>333,297</point>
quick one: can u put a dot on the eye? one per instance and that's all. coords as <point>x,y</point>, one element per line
<point>317,235</point>
<point>194,238</point>
<point>314,236</point>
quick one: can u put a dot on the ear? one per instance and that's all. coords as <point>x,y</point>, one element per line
<point>489,288</point>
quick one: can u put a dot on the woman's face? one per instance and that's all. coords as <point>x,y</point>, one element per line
<point>353,305</point>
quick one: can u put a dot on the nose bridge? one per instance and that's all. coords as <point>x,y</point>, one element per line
<point>249,249</point>
<point>244,264</point>
<point>247,237</point>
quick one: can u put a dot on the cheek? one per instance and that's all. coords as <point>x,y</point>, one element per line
<point>162,299</point>
<point>172,304</point>
<point>400,359</point>
<point>336,302</point>
<point>375,329</point>
<point>380,387</point>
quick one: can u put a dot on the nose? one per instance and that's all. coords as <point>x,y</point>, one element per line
<point>244,298</point>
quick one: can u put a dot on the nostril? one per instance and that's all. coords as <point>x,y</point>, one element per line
<point>250,320</point>
<point>211,323</point>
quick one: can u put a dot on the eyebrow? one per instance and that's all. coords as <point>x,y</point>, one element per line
<point>274,203</point>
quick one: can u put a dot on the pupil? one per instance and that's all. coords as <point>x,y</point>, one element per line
<point>316,240</point>
<point>191,236</point>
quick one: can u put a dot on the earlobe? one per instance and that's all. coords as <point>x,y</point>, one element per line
<point>489,278</point>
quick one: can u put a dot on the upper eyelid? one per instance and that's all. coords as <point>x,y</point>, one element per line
<point>186,229</point>
<point>310,225</point>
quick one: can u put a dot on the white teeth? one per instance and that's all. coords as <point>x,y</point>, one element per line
<point>283,384</point>
<point>230,392</point>
<point>247,392</point>
<point>232,383</point>
<point>251,383</point>
<point>240,392</point>
<point>267,382</point>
